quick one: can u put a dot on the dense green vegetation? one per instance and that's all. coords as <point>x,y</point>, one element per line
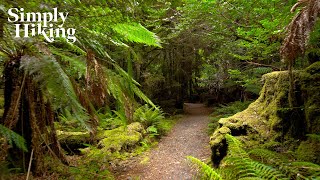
<point>117,89</point>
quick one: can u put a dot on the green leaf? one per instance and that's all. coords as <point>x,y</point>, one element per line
<point>13,138</point>
<point>134,32</point>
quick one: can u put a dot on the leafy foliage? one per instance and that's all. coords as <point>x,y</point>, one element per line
<point>13,138</point>
<point>300,28</point>
<point>148,116</point>
<point>257,164</point>
<point>55,82</point>
<point>205,171</point>
<point>135,32</point>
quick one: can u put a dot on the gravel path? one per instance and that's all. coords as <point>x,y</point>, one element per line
<point>167,160</point>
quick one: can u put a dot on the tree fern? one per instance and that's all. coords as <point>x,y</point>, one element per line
<point>205,172</point>
<point>13,138</point>
<point>56,83</point>
<point>95,41</point>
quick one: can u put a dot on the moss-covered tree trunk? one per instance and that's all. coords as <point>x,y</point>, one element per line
<point>28,113</point>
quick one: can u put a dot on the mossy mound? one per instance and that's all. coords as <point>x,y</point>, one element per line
<point>116,141</point>
<point>261,116</point>
<point>121,138</point>
<point>270,119</point>
<point>72,141</point>
<point>309,150</point>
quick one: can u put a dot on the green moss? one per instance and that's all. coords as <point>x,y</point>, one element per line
<point>313,68</point>
<point>218,136</point>
<point>309,150</point>
<point>117,142</point>
<point>261,116</point>
<point>270,119</point>
<point>71,141</point>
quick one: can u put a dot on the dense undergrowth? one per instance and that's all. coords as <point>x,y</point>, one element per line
<point>268,139</point>
<point>115,142</point>
<point>248,164</point>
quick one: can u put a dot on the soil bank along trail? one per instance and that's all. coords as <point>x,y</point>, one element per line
<point>168,160</point>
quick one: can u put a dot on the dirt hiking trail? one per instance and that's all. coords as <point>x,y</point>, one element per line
<point>168,160</point>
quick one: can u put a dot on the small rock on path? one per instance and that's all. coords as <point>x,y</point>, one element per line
<point>168,160</point>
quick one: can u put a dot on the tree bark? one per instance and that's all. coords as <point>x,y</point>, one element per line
<point>29,114</point>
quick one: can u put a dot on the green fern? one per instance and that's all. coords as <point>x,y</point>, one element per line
<point>134,32</point>
<point>305,170</point>
<point>77,65</point>
<point>314,136</point>
<point>265,155</point>
<point>56,84</point>
<point>13,138</point>
<point>124,88</point>
<point>205,172</point>
<point>148,116</point>
<point>244,166</point>
<point>235,148</point>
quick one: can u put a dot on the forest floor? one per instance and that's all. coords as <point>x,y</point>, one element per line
<point>188,137</point>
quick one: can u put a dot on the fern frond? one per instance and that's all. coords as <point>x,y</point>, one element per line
<point>72,47</point>
<point>306,168</point>
<point>121,81</point>
<point>13,138</point>
<point>244,166</point>
<point>206,172</point>
<point>265,155</point>
<point>235,147</point>
<point>134,32</point>
<point>251,178</point>
<point>96,43</point>
<point>299,29</point>
<point>314,136</point>
<point>76,63</point>
<point>148,116</point>
<point>48,73</point>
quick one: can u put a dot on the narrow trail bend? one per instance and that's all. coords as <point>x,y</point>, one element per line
<point>168,160</point>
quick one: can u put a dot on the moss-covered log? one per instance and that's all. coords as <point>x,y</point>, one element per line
<point>123,138</point>
<point>270,117</point>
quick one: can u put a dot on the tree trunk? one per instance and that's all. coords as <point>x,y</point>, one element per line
<point>29,114</point>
